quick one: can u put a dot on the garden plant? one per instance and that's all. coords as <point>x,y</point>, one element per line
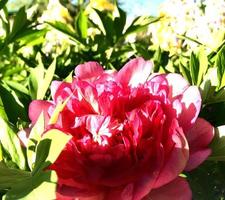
<point>95,106</point>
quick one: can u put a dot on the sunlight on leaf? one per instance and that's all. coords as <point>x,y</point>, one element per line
<point>11,144</point>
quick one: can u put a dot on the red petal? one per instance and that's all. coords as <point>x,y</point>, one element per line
<point>134,72</point>
<point>176,190</point>
<point>176,161</point>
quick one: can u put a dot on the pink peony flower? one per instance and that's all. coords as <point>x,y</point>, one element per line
<point>133,134</point>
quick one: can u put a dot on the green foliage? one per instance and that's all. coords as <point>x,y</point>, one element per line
<point>11,145</point>
<point>220,64</point>
<point>40,80</point>
<point>27,70</point>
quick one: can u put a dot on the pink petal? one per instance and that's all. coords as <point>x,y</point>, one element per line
<point>191,104</point>
<point>199,137</point>
<point>35,109</point>
<point>177,84</point>
<point>88,71</point>
<point>136,71</point>
<point>196,158</point>
<point>60,88</point>
<point>145,183</point>
<point>176,161</point>
<point>176,190</point>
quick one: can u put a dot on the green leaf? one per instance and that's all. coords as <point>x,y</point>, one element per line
<point>35,74</point>
<point>67,30</point>
<point>3,114</point>
<point>11,144</point>
<point>140,23</point>
<point>19,23</point>
<point>108,25</point>
<point>2,3</point>
<point>40,186</point>
<point>34,139</point>
<point>208,87</point>
<point>49,148</point>
<point>203,65</point>
<point>45,83</point>
<point>220,64</point>
<point>120,22</point>
<point>194,68</point>
<point>185,72</point>
<point>40,79</point>
<point>1,153</point>
<point>10,177</point>
<point>218,145</point>
<point>17,86</point>
<point>13,107</point>
<point>64,28</point>
<point>31,37</point>
<point>82,24</point>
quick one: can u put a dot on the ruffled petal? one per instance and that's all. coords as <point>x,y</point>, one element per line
<point>35,109</point>
<point>196,158</point>
<point>176,190</point>
<point>71,193</point>
<point>199,137</point>
<point>134,72</point>
<point>191,105</point>
<point>178,155</point>
<point>177,84</point>
<point>89,71</point>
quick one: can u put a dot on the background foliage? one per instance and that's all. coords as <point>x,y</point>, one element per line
<point>44,41</point>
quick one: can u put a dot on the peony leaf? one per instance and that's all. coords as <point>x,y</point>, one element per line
<point>40,186</point>
<point>2,3</point>
<point>120,22</point>
<point>218,145</point>
<point>34,139</point>
<point>140,23</point>
<point>44,85</point>
<point>20,22</point>
<point>36,76</point>
<point>49,148</point>
<point>11,144</point>
<point>194,68</point>
<point>81,24</point>
<point>9,177</point>
<point>1,156</point>
<point>40,79</point>
<point>14,109</point>
<point>220,60</point>
<point>58,109</point>
<point>203,64</point>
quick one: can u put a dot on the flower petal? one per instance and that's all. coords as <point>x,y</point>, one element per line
<point>176,190</point>
<point>71,193</point>
<point>199,137</point>
<point>35,109</point>
<point>88,71</point>
<point>178,155</point>
<point>134,72</point>
<point>191,104</point>
<point>177,84</point>
<point>196,158</point>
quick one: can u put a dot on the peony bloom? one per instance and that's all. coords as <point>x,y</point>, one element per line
<point>133,134</point>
